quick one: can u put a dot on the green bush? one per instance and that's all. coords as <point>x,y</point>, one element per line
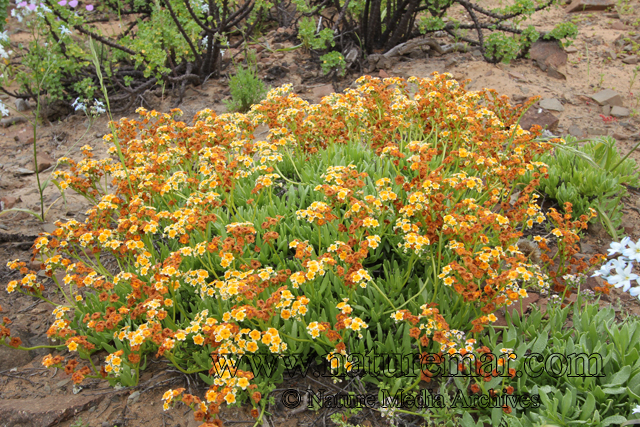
<point>604,396</point>
<point>246,87</point>
<point>591,176</point>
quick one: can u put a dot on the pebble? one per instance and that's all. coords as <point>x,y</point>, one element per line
<point>133,397</point>
<point>619,112</point>
<point>24,171</point>
<point>551,104</point>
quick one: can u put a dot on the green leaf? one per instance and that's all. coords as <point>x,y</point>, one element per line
<point>620,378</point>
<point>614,419</point>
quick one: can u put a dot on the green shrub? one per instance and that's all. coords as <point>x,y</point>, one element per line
<point>246,87</point>
<point>591,176</point>
<point>604,396</point>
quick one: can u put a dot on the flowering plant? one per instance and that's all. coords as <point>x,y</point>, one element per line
<point>628,252</point>
<point>381,219</point>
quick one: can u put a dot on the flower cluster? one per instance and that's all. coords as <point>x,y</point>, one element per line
<point>410,222</point>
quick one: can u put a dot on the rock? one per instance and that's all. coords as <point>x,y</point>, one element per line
<point>517,76</point>
<point>24,171</point>
<point>552,72</point>
<point>618,26</point>
<point>133,397</point>
<point>44,411</point>
<point>8,202</point>
<point>519,99</point>
<point>551,104</point>
<point>619,112</point>
<point>619,136</point>
<point>548,54</point>
<point>608,97</point>
<point>8,121</point>
<point>577,132</point>
<point>609,54</point>
<point>451,62</point>
<point>383,74</point>
<point>571,49</point>
<point>322,91</point>
<point>631,59</point>
<point>21,105</point>
<point>582,5</point>
<point>541,117</point>
<point>606,110</point>
<point>44,162</point>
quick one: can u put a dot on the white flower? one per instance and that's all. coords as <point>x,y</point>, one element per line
<point>616,247</point>
<point>633,251</point>
<point>623,278</point>
<point>636,410</point>
<point>3,109</point>
<point>4,36</point>
<point>64,30</point>
<point>97,108</point>
<point>79,105</point>
<point>605,270</point>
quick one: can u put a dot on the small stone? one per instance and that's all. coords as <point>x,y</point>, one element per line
<point>582,5</point>
<point>607,97</point>
<point>517,76</point>
<point>541,117</point>
<point>277,46</point>
<point>47,388</point>
<point>44,161</point>
<point>618,26</point>
<point>551,104</point>
<point>619,112</point>
<point>548,54</point>
<point>577,131</point>
<point>451,62</point>
<point>383,74</point>
<point>631,59</point>
<point>552,72</point>
<point>21,105</point>
<point>24,171</point>
<point>620,137</point>
<point>476,52</point>
<point>571,49</point>
<point>8,202</point>
<point>133,397</point>
<point>606,110</point>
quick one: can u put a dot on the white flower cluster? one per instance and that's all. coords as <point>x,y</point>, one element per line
<point>622,265</point>
<point>95,110</point>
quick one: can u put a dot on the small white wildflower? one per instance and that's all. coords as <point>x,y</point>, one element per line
<point>64,30</point>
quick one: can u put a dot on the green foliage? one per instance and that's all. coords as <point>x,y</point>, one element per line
<point>307,34</point>
<point>604,393</point>
<point>4,8</point>
<point>590,177</point>
<point>502,47</point>
<point>246,87</point>
<point>564,30</point>
<point>333,60</point>
<point>167,41</point>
